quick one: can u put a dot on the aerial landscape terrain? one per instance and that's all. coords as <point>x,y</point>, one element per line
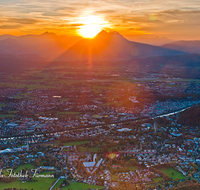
<point>99,95</point>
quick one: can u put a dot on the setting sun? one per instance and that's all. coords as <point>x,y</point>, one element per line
<point>91,26</point>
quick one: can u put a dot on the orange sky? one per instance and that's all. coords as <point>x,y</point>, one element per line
<point>174,19</point>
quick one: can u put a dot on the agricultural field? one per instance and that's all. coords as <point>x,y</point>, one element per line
<point>40,183</point>
<point>77,186</point>
<point>158,179</point>
<point>85,149</point>
<point>75,143</point>
<point>20,85</point>
<point>6,115</point>
<point>2,105</point>
<point>172,173</point>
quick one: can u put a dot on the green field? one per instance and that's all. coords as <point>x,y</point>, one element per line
<point>20,168</point>
<point>77,186</point>
<point>158,179</point>
<point>133,168</point>
<point>65,99</point>
<point>12,112</point>
<point>69,113</point>
<point>84,149</point>
<point>2,105</point>
<point>41,183</point>
<point>75,143</point>
<point>169,172</point>
<point>26,166</point>
<point>66,150</point>
<point>7,115</point>
<point>114,178</point>
<point>21,85</point>
<point>93,149</point>
<point>96,116</point>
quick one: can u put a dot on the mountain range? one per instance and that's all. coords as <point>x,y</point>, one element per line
<point>185,46</point>
<point>105,46</point>
<point>113,46</point>
<point>47,45</point>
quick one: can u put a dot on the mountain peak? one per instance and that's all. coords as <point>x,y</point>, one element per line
<point>49,34</point>
<point>8,40</point>
<point>115,33</point>
<point>112,46</point>
<point>104,33</point>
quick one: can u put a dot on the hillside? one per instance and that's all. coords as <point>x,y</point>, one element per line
<point>112,46</point>
<point>47,45</point>
<point>185,66</point>
<point>185,46</point>
<point>190,117</point>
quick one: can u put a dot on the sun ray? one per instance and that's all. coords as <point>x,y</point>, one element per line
<point>91,26</point>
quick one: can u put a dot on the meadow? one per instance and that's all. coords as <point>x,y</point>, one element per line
<point>77,186</point>
<point>172,173</point>
<point>40,183</point>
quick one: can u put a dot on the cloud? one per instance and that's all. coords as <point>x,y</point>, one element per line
<point>52,14</point>
<point>180,16</point>
<point>22,20</point>
<point>128,16</point>
<point>9,26</point>
<point>106,12</point>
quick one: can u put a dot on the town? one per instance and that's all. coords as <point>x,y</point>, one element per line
<point>114,130</point>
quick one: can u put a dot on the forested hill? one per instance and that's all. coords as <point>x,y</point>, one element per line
<point>190,117</point>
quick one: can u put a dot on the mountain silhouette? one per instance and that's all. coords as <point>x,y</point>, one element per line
<point>47,45</point>
<point>105,46</point>
<point>11,46</point>
<point>112,46</point>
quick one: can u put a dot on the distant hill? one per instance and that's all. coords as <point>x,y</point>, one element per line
<point>112,46</point>
<point>48,45</point>
<point>185,46</point>
<point>184,66</point>
<point>4,36</point>
<point>14,63</point>
<point>155,41</point>
<point>11,46</point>
<point>190,117</point>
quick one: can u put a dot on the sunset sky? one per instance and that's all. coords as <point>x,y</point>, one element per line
<point>174,19</point>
